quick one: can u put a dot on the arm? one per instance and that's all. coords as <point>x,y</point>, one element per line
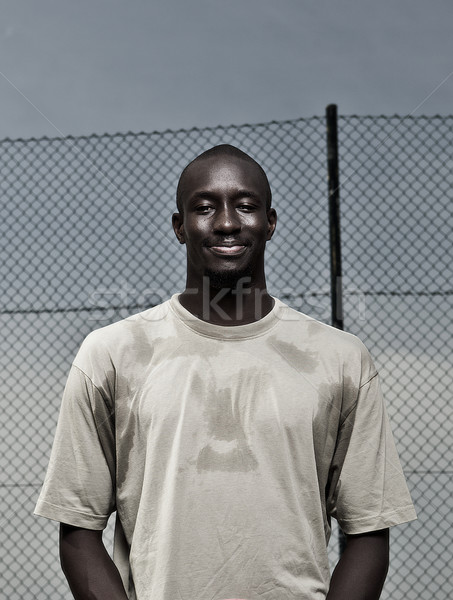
<point>90,571</point>
<point>362,569</point>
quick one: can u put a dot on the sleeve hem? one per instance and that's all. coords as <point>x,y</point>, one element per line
<point>376,522</point>
<point>71,516</point>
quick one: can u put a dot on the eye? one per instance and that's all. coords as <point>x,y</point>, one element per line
<point>246,207</point>
<point>203,209</point>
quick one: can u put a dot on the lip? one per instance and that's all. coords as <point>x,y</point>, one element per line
<point>228,250</point>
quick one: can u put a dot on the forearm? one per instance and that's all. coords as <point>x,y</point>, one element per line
<point>362,569</point>
<point>91,573</point>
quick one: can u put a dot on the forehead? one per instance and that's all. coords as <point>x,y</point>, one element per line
<point>223,173</point>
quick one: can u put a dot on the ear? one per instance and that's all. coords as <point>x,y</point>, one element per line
<point>271,223</point>
<point>178,227</point>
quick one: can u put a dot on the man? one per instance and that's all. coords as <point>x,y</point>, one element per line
<point>225,429</point>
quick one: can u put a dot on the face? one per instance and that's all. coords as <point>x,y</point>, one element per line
<point>225,224</point>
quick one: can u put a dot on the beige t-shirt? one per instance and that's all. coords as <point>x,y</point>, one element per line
<point>224,451</point>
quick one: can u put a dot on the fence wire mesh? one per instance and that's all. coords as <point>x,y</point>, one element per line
<point>86,239</point>
<point>397,222</point>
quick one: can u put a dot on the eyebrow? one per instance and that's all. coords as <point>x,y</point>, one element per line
<point>241,193</point>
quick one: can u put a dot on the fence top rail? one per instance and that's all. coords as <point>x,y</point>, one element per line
<point>119,134</point>
<point>160,132</point>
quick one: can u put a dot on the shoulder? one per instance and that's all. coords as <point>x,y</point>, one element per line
<point>115,342</point>
<point>316,331</point>
<point>334,346</point>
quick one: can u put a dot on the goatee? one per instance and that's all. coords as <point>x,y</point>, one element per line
<point>227,279</point>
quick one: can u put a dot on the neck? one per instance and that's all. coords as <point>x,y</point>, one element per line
<point>239,305</point>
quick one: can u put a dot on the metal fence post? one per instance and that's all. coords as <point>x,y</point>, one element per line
<point>334,230</point>
<point>334,216</point>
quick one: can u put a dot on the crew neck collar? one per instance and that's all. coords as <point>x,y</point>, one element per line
<point>235,332</point>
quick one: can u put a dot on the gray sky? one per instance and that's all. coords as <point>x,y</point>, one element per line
<point>130,65</point>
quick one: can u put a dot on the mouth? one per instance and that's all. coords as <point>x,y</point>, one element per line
<point>234,250</point>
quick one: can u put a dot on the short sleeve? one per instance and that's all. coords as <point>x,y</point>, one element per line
<point>79,488</point>
<point>367,489</point>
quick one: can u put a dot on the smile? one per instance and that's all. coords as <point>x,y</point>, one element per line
<point>228,250</point>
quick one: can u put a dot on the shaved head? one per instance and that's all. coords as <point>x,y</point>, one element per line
<point>220,152</point>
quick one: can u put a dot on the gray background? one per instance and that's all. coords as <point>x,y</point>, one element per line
<point>96,66</point>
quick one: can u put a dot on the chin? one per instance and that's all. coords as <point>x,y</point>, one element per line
<point>228,279</point>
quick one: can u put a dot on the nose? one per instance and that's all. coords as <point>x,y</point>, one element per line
<point>227,220</point>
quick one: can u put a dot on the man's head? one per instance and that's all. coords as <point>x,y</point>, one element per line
<point>225,217</point>
<point>224,150</point>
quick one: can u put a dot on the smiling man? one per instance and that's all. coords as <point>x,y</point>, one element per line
<point>225,429</point>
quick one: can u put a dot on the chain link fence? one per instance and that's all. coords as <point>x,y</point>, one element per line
<point>397,233</point>
<point>86,239</point>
